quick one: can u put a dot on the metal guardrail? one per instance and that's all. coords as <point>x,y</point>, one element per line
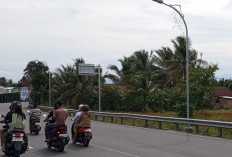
<point>159,119</point>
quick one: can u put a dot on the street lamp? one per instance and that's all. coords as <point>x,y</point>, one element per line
<point>49,84</point>
<point>50,95</point>
<point>187,53</point>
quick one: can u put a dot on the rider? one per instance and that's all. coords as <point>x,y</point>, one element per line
<point>78,114</point>
<point>34,115</point>
<point>59,115</point>
<point>48,120</point>
<point>7,119</point>
<point>84,120</point>
<point>18,118</point>
<point>50,115</point>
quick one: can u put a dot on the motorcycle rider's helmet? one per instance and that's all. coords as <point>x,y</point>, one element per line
<point>85,108</point>
<point>13,104</point>
<point>80,107</point>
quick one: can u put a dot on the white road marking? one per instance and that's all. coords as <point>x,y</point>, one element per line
<point>116,151</point>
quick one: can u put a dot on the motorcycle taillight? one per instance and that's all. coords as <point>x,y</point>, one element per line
<point>17,134</point>
<point>37,120</point>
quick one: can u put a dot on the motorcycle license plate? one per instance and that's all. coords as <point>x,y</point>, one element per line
<point>63,135</point>
<point>37,123</point>
<point>17,138</point>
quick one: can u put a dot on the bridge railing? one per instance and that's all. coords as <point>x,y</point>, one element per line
<point>195,122</point>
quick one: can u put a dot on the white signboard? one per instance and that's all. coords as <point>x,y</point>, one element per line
<point>24,93</point>
<point>86,69</point>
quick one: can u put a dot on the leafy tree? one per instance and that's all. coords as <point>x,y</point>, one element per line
<point>230,86</point>
<point>7,82</point>
<point>111,99</point>
<point>25,82</point>
<point>224,82</point>
<point>34,67</point>
<point>3,81</point>
<point>203,86</point>
<point>36,73</point>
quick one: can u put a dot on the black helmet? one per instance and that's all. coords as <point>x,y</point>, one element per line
<point>13,104</point>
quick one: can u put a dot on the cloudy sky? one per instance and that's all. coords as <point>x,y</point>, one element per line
<point>102,31</point>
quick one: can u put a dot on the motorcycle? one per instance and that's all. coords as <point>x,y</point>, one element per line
<point>84,135</point>
<point>16,142</point>
<point>34,125</point>
<point>59,138</point>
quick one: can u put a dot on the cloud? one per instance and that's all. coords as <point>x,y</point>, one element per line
<point>103,31</point>
<point>229,5</point>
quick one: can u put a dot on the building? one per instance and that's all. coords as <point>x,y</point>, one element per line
<point>224,97</point>
<point>9,94</point>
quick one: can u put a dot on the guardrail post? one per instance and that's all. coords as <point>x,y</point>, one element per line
<point>146,124</point>
<point>219,132</point>
<point>112,119</point>
<point>197,129</point>
<point>103,118</point>
<point>133,122</point>
<point>177,127</point>
<point>121,120</point>
<point>160,125</point>
<point>95,117</point>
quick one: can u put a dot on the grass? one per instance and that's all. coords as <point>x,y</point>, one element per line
<point>218,115</point>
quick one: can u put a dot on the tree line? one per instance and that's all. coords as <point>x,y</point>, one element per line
<point>153,81</point>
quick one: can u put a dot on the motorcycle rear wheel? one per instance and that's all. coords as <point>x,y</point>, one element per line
<point>37,132</point>
<point>61,148</point>
<point>86,143</point>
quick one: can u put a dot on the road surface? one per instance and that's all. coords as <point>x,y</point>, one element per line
<point>115,140</point>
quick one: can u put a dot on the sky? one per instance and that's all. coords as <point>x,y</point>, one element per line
<point>103,31</point>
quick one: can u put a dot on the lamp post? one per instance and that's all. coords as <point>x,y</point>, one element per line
<point>49,84</point>
<point>187,53</point>
<point>99,86</point>
<point>50,96</point>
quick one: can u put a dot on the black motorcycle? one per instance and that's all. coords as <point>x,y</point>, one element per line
<point>16,142</point>
<point>35,125</point>
<point>59,137</point>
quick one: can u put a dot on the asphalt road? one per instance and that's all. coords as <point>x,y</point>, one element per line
<point>115,140</point>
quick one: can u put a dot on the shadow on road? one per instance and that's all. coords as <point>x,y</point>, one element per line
<point>76,146</point>
<point>48,152</point>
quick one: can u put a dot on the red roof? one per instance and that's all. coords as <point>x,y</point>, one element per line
<point>223,91</point>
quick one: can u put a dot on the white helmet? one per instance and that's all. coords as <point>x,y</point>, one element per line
<point>80,106</point>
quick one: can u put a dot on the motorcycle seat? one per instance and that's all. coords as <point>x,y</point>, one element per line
<point>17,130</point>
<point>61,128</point>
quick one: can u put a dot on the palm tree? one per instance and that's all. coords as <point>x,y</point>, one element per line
<point>121,77</point>
<point>69,86</point>
<point>173,63</point>
<point>163,77</point>
<point>143,78</point>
